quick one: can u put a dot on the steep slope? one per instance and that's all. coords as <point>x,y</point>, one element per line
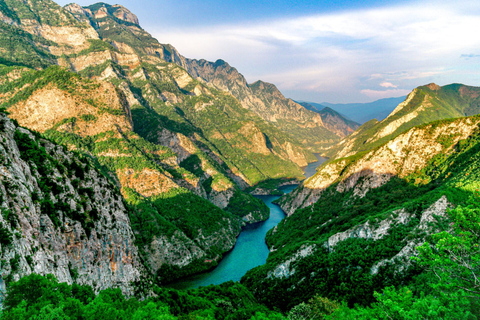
<point>363,112</point>
<point>360,218</point>
<point>150,178</point>
<point>163,137</point>
<point>265,100</point>
<point>169,90</point>
<point>61,216</point>
<point>334,121</point>
<point>424,104</point>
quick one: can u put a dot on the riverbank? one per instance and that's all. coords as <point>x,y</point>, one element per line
<point>250,249</point>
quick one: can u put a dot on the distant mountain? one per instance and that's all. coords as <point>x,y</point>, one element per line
<point>333,121</point>
<point>423,105</point>
<point>363,112</point>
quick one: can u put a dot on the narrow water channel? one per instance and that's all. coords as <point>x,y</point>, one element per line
<point>250,250</point>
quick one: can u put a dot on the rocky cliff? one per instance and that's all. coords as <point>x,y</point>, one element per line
<point>107,102</point>
<point>424,104</point>
<point>266,101</point>
<point>400,157</point>
<point>61,216</point>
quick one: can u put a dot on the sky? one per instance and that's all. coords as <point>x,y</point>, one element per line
<point>321,51</point>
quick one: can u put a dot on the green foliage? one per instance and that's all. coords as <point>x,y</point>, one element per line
<point>40,297</point>
<point>402,304</point>
<point>344,273</point>
<point>454,256</point>
<point>317,308</point>
<point>19,48</point>
<point>176,210</point>
<point>452,263</point>
<point>5,236</point>
<point>242,204</point>
<point>96,45</point>
<point>88,117</point>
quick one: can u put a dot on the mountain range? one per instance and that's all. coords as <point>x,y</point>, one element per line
<point>360,112</point>
<point>125,166</point>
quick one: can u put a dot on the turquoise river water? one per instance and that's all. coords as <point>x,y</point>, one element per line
<point>250,250</point>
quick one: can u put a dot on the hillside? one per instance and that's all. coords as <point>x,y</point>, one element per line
<point>353,226</point>
<point>163,137</point>
<point>265,100</point>
<point>62,216</point>
<point>334,121</point>
<point>424,104</point>
<point>125,166</point>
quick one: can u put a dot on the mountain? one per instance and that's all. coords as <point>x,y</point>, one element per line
<point>363,112</point>
<point>62,216</point>
<point>424,104</point>
<point>266,101</point>
<point>125,166</point>
<point>334,121</point>
<point>352,227</point>
<point>180,150</point>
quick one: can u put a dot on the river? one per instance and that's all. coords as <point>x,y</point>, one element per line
<point>250,250</point>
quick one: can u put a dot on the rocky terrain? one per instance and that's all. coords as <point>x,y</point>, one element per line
<point>369,211</point>
<point>400,157</point>
<point>61,216</point>
<point>424,104</point>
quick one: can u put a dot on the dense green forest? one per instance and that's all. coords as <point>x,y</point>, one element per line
<point>352,272</point>
<point>447,288</point>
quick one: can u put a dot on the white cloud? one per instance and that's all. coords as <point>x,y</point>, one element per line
<point>344,52</point>
<point>388,85</point>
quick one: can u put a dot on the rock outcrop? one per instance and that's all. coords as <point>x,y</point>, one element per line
<point>399,157</point>
<point>61,216</point>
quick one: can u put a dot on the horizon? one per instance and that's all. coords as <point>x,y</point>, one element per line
<point>316,51</point>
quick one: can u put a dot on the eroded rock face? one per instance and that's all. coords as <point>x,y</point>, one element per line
<point>286,269</point>
<point>427,224</point>
<point>400,157</point>
<point>84,236</point>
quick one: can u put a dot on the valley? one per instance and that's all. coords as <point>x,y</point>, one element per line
<point>137,183</point>
<point>250,249</point>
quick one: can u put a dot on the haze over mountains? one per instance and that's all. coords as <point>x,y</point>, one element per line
<point>362,112</point>
<point>124,164</point>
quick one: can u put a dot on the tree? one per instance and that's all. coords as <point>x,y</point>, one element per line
<point>454,256</point>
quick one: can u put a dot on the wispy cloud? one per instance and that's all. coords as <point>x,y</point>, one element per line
<point>388,85</point>
<point>344,56</point>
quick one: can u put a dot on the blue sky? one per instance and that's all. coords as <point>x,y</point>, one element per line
<point>348,51</point>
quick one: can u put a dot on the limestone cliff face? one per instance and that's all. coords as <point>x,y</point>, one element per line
<point>400,157</point>
<point>48,20</point>
<point>99,108</point>
<point>424,104</point>
<point>136,46</point>
<point>265,100</point>
<point>63,216</point>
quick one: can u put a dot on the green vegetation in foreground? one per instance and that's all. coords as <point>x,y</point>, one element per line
<point>38,297</point>
<point>450,288</point>
<point>344,274</point>
<point>447,289</point>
